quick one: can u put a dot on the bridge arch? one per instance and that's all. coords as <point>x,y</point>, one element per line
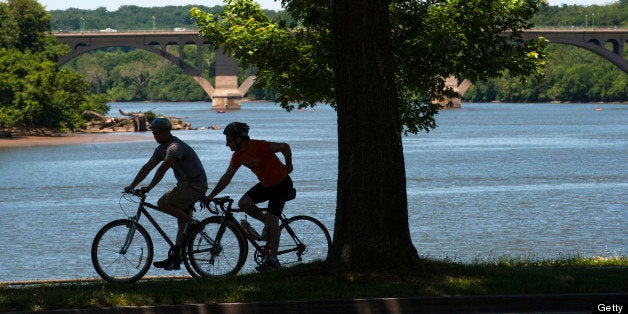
<point>591,40</point>
<point>594,41</point>
<point>225,95</point>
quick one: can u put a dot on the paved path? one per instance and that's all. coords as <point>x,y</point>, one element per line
<point>546,303</point>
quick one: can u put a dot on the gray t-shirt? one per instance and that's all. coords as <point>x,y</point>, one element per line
<point>188,167</point>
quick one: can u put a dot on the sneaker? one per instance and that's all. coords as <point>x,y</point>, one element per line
<point>169,264</point>
<point>268,264</point>
<point>173,262</point>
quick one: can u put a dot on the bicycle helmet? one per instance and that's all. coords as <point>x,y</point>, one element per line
<point>160,123</point>
<point>236,130</point>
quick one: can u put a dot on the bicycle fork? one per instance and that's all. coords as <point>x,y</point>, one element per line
<point>215,248</point>
<point>129,236</point>
<point>129,239</point>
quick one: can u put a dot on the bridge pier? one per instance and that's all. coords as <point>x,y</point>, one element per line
<point>226,95</point>
<point>459,87</point>
<point>226,101</point>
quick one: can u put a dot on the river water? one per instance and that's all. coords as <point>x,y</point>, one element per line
<point>524,181</point>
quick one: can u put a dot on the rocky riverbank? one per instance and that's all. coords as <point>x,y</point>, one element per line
<point>96,124</point>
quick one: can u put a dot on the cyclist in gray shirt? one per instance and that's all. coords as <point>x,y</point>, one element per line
<point>191,182</point>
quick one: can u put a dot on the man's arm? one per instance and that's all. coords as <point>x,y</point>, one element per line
<point>222,183</point>
<point>144,171</point>
<point>285,150</point>
<point>159,174</point>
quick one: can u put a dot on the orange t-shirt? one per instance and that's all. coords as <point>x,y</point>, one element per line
<point>264,164</point>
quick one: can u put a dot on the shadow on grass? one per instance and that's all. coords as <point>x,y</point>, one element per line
<point>430,278</point>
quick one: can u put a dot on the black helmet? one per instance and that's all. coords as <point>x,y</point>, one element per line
<point>160,123</point>
<point>236,130</point>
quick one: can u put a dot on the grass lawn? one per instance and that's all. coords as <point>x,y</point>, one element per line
<point>315,282</point>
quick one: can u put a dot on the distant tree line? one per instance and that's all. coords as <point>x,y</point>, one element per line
<point>606,16</point>
<point>134,18</point>
<point>573,75</point>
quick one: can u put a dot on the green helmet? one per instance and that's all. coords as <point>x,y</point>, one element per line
<point>160,123</point>
<point>236,130</point>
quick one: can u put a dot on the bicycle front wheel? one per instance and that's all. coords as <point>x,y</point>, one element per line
<point>122,251</point>
<point>303,239</point>
<point>217,248</point>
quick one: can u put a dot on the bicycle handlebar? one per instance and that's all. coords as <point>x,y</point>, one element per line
<point>220,204</point>
<point>222,200</point>
<point>225,204</point>
<point>135,192</point>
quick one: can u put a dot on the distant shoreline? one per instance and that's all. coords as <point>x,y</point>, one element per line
<point>68,139</point>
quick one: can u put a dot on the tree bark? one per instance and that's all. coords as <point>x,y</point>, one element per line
<point>371,228</point>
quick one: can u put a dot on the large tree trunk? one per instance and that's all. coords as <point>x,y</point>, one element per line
<point>371,229</point>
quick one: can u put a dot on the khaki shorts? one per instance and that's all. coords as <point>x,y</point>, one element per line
<point>182,195</point>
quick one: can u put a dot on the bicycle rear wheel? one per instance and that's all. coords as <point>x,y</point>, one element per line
<point>217,248</point>
<point>303,240</point>
<point>122,251</point>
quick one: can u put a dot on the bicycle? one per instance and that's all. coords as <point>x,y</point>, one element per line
<point>220,247</point>
<point>122,250</point>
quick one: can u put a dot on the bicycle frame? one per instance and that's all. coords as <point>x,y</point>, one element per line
<point>220,246</point>
<point>263,249</point>
<point>122,250</point>
<point>141,209</point>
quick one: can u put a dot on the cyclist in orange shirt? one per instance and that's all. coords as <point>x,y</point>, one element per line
<point>275,184</point>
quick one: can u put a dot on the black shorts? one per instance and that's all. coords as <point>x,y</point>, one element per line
<point>276,195</point>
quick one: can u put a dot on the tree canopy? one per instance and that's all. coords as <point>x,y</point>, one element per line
<point>33,92</point>
<point>431,40</point>
<point>381,64</point>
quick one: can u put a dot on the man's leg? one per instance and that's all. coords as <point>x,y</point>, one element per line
<point>272,223</point>
<point>257,194</point>
<point>248,204</point>
<point>176,201</point>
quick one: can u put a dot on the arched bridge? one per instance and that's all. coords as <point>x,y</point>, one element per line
<point>609,44</point>
<point>226,94</point>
